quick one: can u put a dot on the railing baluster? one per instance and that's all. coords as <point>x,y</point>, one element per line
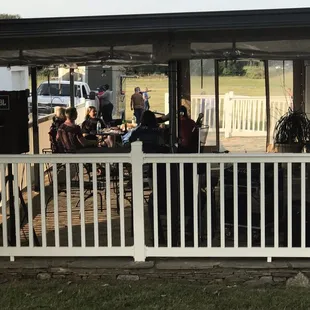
<point>29,204</point>
<point>16,203</point>
<point>4,199</point>
<point>69,214</point>
<point>168,187</point>
<point>82,204</point>
<point>262,204</point>
<point>276,205</point>
<point>303,205</point>
<point>264,117</point>
<point>209,207</point>
<point>56,215</point>
<point>195,205</point>
<point>155,206</point>
<point>210,117</point>
<point>121,204</point>
<point>95,200</point>
<point>289,205</point>
<point>108,204</point>
<point>43,204</point>
<point>259,102</point>
<point>182,205</point>
<point>235,185</point>
<point>249,204</point>
<point>222,205</point>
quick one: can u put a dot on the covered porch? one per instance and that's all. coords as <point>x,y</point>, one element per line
<point>242,205</point>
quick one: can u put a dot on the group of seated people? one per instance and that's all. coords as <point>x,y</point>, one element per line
<point>68,137</point>
<point>153,137</point>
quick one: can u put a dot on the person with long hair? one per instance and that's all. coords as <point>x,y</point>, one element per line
<point>148,132</point>
<point>58,120</point>
<point>89,126</point>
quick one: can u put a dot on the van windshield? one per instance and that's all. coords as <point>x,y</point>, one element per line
<point>60,90</point>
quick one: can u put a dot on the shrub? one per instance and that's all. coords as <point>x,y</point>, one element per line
<point>254,72</point>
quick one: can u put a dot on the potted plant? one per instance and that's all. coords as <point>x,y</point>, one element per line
<point>291,132</point>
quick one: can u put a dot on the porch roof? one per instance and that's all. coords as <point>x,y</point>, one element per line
<point>131,38</point>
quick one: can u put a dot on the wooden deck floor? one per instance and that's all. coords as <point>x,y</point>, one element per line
<point>63,210</point>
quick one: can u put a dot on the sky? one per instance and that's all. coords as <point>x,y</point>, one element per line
<point>57,8</point>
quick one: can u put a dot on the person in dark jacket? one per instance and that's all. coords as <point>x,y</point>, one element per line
<point>188,140</point>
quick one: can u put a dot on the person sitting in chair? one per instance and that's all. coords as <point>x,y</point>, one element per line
<point>69,135</point>
<point>188,142</point>
<point>58,120</point>
<point>149,133</point>
<point>89,126</point>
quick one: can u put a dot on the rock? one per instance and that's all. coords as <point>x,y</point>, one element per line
<point>43,276</point>
<point>300,280</point>
<point>59,276</point>
<point>279,279</point>
<point>259,282</point>
<point>235,279</point>
<point>128,277</point>
<point>61,271</point>
<point>3,280</point>
<point>265,280</point>
<point>179,264</point>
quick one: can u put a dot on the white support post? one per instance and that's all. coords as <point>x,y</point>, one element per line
<point>138,202</point>
<point>166,103</point>
<point>228,109</point>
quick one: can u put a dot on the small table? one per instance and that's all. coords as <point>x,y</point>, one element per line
<point>110,132</point>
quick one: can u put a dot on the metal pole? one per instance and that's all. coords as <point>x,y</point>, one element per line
<point>72,94</point>
<point>173,103</point>
<point>217,103</point>
<point>201,74</point>
<point>175,188</point>
<point>267,92</point>
<point>35,126</point>
<point>12,209</point>
<point>180,94</point>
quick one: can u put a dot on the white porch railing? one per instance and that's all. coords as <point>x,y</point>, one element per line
<point>239,115</point>
<point>198,206</point>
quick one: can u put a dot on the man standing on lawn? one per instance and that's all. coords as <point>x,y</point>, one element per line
<point>146,98</point>
<point>137,104</point>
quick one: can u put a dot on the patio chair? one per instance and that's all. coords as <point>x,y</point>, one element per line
<point>203,132</point>
<point>75,184</point>
<point>255,192</point>
<point>188,203</point>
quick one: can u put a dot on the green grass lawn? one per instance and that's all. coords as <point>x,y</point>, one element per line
<point>242,86</point>
<point>34,294</point>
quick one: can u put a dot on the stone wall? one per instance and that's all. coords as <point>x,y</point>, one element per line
<point>249,273</point>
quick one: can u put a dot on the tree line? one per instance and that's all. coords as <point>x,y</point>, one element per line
<point>10,16</point>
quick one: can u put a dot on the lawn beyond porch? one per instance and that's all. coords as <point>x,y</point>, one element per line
<point>60,294</point>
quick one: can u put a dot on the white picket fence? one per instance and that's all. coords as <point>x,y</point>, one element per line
<point>239,115</point>
<point>202,206</point>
